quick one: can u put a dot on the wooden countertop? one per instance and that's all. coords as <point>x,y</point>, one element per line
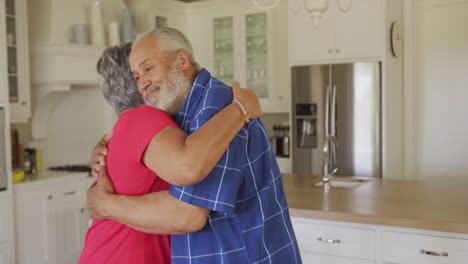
<point>439,205</point>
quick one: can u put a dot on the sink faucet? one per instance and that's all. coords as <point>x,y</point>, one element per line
<point>329,169</point>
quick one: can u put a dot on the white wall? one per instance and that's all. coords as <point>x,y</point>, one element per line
<point>440,89</point>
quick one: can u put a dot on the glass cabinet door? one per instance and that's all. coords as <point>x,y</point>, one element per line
<point>12,64</point>
<point>223,38</point>
<point>257,53</point>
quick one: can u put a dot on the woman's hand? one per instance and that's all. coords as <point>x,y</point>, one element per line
<point>99,153</point>
<point>248,99</point>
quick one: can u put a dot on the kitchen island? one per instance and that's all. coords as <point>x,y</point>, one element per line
<point>380,221</point>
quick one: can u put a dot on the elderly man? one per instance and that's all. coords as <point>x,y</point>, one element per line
<point>245,215</point>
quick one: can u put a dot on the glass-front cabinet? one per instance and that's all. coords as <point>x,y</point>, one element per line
<point>223,43</point>
<point>17,59</point>
<point>243,50</point>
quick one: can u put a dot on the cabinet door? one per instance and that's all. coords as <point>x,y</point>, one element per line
<point>309,43</point>
<point>4,253</point>
<point>414,249</point>
<point>310,258</point>
<point>3,63</point>
<point>223,49</point>
<point>357,29</point>
<point>4,215</point>
<point>17,59</point>
<point>66,216</point>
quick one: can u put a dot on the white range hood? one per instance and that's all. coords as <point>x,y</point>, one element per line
<point>55,70</point>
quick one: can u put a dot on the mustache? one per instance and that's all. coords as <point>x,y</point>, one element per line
<point>150,89</point>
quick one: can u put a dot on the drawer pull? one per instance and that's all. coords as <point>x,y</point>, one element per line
<point>329,241</point>
<point>69,193</point>
<point>433,253</point>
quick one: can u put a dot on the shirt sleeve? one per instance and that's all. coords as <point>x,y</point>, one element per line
<point>219,190</point>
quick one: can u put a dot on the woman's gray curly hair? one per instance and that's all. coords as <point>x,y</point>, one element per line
<point>116,80</point>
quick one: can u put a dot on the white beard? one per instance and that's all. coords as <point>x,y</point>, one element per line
<point>172,92</point>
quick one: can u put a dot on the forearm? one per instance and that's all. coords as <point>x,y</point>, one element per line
<point>212,140</point>
<point>157,213</point>
<point>186,160</point>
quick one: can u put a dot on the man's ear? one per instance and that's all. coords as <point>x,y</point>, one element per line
<point>183,61</point>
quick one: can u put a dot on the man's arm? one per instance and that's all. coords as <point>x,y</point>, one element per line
<point>157,213</point>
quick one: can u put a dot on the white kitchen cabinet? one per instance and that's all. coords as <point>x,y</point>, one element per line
<point>334,244</point>
<point>404,248</point>
<point>243,49</point>
<point>330,242</point>
<point>311,258</point>
<point>17,57</point>
<point>67,222</point>
<point>341,34</point>
<point>51,220</point>
<point>5,254</point>
<point>236,41</point>
<point>4,219</point>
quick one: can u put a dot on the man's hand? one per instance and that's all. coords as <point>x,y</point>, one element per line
<point>99,153</point>
<point>99,194</point>
<point>249,99</point>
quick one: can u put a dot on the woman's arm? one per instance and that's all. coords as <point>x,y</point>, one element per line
<point>186,160</point>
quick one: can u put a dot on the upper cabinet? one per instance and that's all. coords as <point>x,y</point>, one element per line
<point>241,43</point>
<point>346,31</point>
<point>17,59</point>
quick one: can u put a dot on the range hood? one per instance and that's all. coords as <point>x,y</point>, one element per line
<point>56,69</point>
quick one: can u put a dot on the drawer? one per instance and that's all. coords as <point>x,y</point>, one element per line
<point>412,249</point>
<point>311,258</point>
<point>336,241</point>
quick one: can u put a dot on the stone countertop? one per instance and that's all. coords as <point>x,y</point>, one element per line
<point>45,176</point>
<point>436,204</point>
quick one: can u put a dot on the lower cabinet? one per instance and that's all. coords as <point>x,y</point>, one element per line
<point>405,248</point>
<point>51,221</point>
<point>330,242</point>
<point>4,253</point>
<point>322,243</point>
<point>325,259</point>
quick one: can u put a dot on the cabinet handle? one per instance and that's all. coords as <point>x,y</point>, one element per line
<point>50,197</point>
<point>330,50</point>
<point>82,210</point>
<point>69,193</point>
<point>280,97</point>
<point>433,253</point>
<point>337,50</point>
<point>23,103</point>
<point>329,241</point>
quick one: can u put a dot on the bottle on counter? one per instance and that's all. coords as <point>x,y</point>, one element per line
<point>285,142</point>
<point>273,141</point>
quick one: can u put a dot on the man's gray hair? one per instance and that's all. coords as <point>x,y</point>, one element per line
<point>116,80</point>
<point>172,40</point>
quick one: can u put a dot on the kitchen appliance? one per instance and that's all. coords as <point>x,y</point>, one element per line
<point>3,164</point>
<point>337,119</point>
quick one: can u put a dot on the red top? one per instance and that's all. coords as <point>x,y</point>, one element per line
<point>108,241</point>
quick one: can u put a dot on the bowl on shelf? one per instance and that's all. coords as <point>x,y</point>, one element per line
<point>18,175</point>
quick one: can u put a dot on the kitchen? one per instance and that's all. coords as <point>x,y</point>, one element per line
<point>421,124</point>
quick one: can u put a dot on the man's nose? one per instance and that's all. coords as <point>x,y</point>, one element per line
<point>143,84</point>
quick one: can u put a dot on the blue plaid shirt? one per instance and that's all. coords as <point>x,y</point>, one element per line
<point>249,220</point>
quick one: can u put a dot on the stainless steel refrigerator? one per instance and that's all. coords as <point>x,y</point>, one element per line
<point>337,119</point>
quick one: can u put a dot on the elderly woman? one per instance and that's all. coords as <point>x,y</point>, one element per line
<point>140,131</point>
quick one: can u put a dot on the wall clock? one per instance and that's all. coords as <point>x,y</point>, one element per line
<point>396,39</point>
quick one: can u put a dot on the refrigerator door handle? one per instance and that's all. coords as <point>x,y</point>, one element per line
<point>327,112</point>
<point>333,112</point>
